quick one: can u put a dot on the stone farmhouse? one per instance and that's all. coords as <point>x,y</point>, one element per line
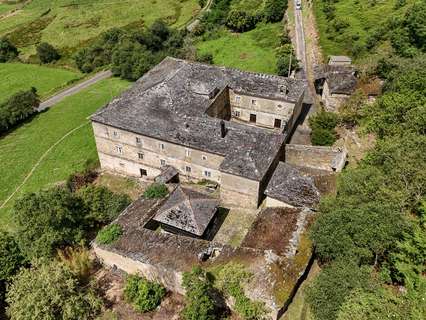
<point>207,122</point>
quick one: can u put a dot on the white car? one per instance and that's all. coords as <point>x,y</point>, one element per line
<point>299,5</point>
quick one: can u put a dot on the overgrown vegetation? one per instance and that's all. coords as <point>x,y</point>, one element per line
<point>47,53</point>
<point>323,126</point>
<point>142,294</point>
<point>109,234</point>
<point>8,51</point>
<point>156,191</point>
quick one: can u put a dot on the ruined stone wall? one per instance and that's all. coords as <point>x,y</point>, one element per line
<point>170,279</point>
<point>237,191</point>
<point>332,101</point>
<point>273,203</point>
<point>220,107</point>
<point>120,151</point>
<point>324,158</point>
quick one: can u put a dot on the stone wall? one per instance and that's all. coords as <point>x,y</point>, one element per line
<point>239,192</point>
<point>324,158</point>
<point>220,107</point>
<point>273,203</point>
<point>332,101</point>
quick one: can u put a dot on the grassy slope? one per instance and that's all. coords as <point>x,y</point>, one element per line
<point>73,22</point>
<point>22,148</point>
<point>251,51</point>
<point>18,76</point>
<point>363,18</point>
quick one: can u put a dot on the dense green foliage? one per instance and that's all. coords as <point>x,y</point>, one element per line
<point>323,126</point>
<point>199,302</point>
<point>8,51</point>
<point>274,10</point>
<point>143,294</point>
<point>240,21</point>
<point>285,56</point>
<point>378,218</point>
<point>50,291</point>
<point>109,234</point>
<point>47,53</point>
<point>11,258</point>
<point>18,108</point>
<point>156,190</point>
<point>131,53</point>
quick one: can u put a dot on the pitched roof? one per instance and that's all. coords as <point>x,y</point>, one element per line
<point>291,186</point>
<point>169,103</point>
<point>339,60</point>
<point>188,210</point>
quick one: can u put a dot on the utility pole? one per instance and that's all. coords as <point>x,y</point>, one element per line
<point>289,65</point>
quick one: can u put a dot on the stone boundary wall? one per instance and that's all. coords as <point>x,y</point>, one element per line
<point>323,158</point>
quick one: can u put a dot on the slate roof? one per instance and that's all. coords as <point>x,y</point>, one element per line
<point>169,103</point>
<point>187,210</point>
<point>167,174</point>
<point>291,186</point>
<point>339,60</point>
<point>341,79</point>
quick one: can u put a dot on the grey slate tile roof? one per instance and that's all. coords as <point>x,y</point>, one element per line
<point>170,102</point>
<point>187,210</point>
<point>291,186</point>
<point>340,78</point>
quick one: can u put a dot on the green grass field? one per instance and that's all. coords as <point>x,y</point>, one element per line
<point>19,76</point>
<point>251,51</point>
<point>363,18</point>
<point>68,23</point>
<point>23,147</point>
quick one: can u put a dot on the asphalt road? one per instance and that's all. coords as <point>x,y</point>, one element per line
<point>300,36</point>
<point>73,90</point>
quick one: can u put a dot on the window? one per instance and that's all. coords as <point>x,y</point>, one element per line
<point>121,164</point>
<point>254,102</point>
<point>252,117</point>
<point>162,146</point>
<point>187,152</point>
<point>188,169</point>
<point>207,174</point>
<point>138,140</point>
<point>163,162</point>
<point>279,106</point>
<point>204,157</point>
<point>238,114</point>
<point>140,155</point>
<point>277,123</point>
<point>143,172</point>
<point>237,99</point>
<point>119,149</point>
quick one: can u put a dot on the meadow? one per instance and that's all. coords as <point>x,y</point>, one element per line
<point>19,76</point>
<point>68,24</point>
<point>251,51</point>
<point>21,149</point>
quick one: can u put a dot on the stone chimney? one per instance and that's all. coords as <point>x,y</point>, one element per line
<point>222,129</point>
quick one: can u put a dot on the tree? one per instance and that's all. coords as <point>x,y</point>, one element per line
<point>47,53</point>
<point>323,128</point>
<point>199,302</point>
<point>11,258</point>
<point>240,21</point>
<point>48,220</point>
<point>8,51</point>
<point>143,294</point>
<point>274,10</point>
<point>50,291</point>
<point>285,55</point>
<point>331,288</point>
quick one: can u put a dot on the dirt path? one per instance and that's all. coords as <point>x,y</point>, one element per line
<point>44,155</point>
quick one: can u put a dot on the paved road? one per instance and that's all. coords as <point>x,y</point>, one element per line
<point>300,37</point>
<point>73,90</point>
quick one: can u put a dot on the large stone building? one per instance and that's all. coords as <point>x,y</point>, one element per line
<point>208,122</point>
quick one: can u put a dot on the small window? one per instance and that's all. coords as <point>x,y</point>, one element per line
<point>115,134</point>
<point>143,172</point>
<point>121,164</point>
<point>163,162</point>
<point>162,147</point>
<point>252,117</point>
<point>238,114</point>
<point>279,106</point>
<point>140,155</point>
<point>187,152</point>
<point>277,123</point>
<point>237,99</point>
<point>207,174</point>
<point>119,149</point>
<point>138,140</point>
<point>188,169</point>
<point>254,102</point>
<point>204,157</point>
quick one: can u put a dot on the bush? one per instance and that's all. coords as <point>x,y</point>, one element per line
<point>199,302</point>
<point>18,108</point>
<point>109,234</point>
<point>50,291</point>
<point>143,294</point>
<point>156,190</point>
<point>323,128</point>
<point>11,258</point>
<point>240,21</point>
<point>285,56</point>
<point>8,51</point>
<point>47,53</point>
<point>205,58</point>
<point>274,10</point>
<point>202,3</point>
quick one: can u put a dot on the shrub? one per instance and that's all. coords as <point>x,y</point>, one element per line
<point>18,108</point>
<point>323,125</point>
<point>11,258</point>
<point>143,294</point>
<point>323,137</point>
<point>109,234</point>
<point>202,3</point>
<point>156,190</point>
<point>8,51</point>
<point>285,56</point>
<point>47,53</point>
<point>274,10</point>
<point>205,58</point>
<point>199,302</point>
<point>50,291</point>
<point>78,260</point>
<point>240,21</point>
